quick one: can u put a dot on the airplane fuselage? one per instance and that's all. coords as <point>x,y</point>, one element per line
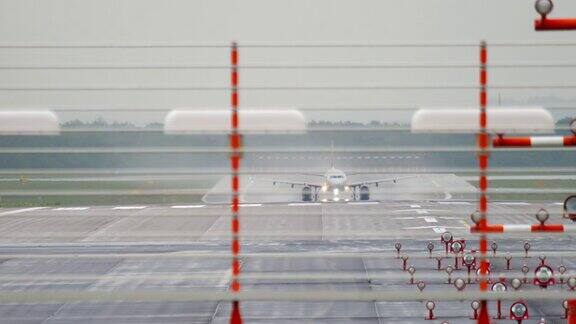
<point>335,187</point>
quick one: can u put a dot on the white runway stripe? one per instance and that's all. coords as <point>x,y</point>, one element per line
<point>19,211</point>
<point>513,203</point>
<point>250,205</point>
<point>439,230</point>
<point>129,207</point>
<point>188,206</point>
<point>454,203</point>
<point>71,208</point>
<point>363,203</point>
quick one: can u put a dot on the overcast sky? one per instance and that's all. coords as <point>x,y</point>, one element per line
<point>24,21</point>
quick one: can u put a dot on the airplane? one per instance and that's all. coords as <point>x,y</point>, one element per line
<point>335,183</point>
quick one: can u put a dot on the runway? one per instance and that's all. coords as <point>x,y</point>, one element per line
<point>286,246</point>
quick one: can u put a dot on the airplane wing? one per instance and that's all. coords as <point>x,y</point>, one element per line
<point>292,183</point>
<point>377,181</point>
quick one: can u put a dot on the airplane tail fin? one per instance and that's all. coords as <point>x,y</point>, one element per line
<point>332,154</point>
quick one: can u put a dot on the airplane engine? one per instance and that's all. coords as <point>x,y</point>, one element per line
<point>306,194</point>
<point>364,193</point>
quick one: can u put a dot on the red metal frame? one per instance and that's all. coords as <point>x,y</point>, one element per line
<point>483,139</point>
<point>549,24</point>
<point>235,145</point>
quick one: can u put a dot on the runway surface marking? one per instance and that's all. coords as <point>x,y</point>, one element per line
<point>415,206</point>
<point>250,205</point>
<point>304,204</point>
<point>430,219</point>
<point>71,208</point>
<point>19,211</point>
<point>454,203</point>
<point>129,207</point>
<point>513,203</point>
<point>188,206</point>
<point>439,230</point>
<point>362,157</point>
<point>363,203</point>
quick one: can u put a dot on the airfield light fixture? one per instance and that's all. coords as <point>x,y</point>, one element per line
<point>571,283</point>
<point>456,247</point>
<point>542,259</point>
<point>449,271</point>
<point>475,217</point>
<point>469,261</point>
<point>479,273</point>
<point>527,247</point>
<point>518,311</point>
<point>562,270</point>
<point>499,287</point>
<point>543,276</point>
<point>439,261</point>
<point>525,271</point>
<point>544,7</point>
<point>398,247</point>
<point>430,248</point>
<point>542,216</point>
<point>460,284</point>
<point>421,285</point>
<point>475,307</point>
<point>404,261</point>
<point>494,247</point>
<point>411,271</point>
<point>573,126</point>
<point>508,259</point>
<point>516,283</point>
<point>446,238</point>
<point>430,305</point>
<point>570,208</point>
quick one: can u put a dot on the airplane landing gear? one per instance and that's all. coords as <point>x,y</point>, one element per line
<point>364,193</point>
<point>306,194</point>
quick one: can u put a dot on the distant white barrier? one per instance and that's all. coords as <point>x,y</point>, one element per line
<point>42,122</point>
<point>505,120</point>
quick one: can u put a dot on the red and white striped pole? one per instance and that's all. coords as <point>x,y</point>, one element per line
<point>524,228</point>
<point>483,316</point>
<point>534,141</point>
<point>235,145</point>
